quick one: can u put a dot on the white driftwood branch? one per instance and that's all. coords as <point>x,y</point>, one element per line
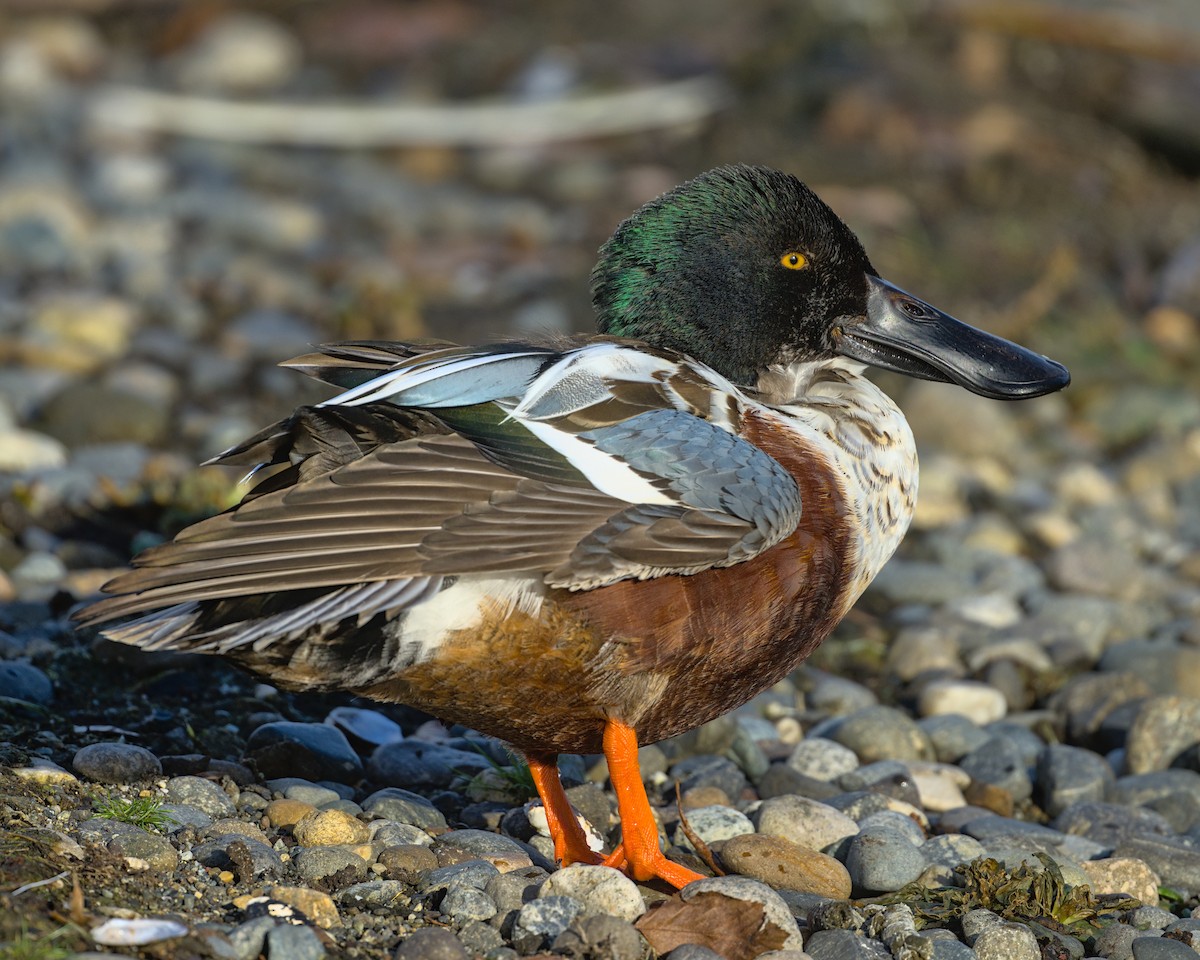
<point>355,124</point>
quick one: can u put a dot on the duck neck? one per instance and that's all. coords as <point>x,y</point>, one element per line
<point>867,438</point>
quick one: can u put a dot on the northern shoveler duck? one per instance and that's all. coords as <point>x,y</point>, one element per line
<point>584,544</point>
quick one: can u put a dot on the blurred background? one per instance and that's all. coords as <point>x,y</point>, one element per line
<point>191,192</point>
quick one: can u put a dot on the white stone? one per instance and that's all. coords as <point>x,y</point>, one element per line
<point>601,890</point>
<point>975,701</point>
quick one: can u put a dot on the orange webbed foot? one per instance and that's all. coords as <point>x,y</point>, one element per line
<point>639,854</point>
<point>570,842</point>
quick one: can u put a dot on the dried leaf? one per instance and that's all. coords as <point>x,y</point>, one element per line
<point>736,929</point>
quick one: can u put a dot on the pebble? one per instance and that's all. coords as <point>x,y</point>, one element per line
<point>323,827</point>
<point>822,759</point>
<point>845,945</point>
<point>431,943</point>
<point>314,904</point>
<point>539,922</point>
<point>1153,948</point>
<point>781,864</point>
<point>711,824</point>
<point>403,806</point>
<point>601,891</point>
<point>1007,941</point>
<point>503,853</point>
<point>24,681</point>
<point>805,822</point>
<point>881,733</point>
<point>464,904</point>
<point>312,751</point>
<point>1067,776</point>
<point>287,813</point>
<point>976,701</point>
<point>882,860</point>
<point>337,866</point>
<point>416,765</point>
<point>202,794</point>
<point>407,862</point>
<point>229,852</point>
<point>1163,729</point>
<point>710,771</point>
<point>293,942</point>
<point>953,736</point>
<point>116,763</point>
<point>999,762</point>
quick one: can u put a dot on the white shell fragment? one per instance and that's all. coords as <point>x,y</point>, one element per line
<point>135,933</point>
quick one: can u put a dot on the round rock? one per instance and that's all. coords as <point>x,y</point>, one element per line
<point>1000,763</point>
<point>202,794</point>
<point>312,751</point>
<point>539,922</point>
<point>324,827</point>
<point>785,865</point>
<point>711,824</point>
<point>753,891</point>
<point>431,943</point>
<point>116,763</point>
<point>976,701</point>
<point>1007,941</point>
<point>1163,729</point>
<point>822,759</point>
<point>24,681</point>
<point>882,733</point>
<point>1070,775</point>
<point>808,823</point>
<point>601,890</point>
<point>883,860</point>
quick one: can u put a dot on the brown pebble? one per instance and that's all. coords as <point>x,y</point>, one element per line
<point>287,813</point>
<point>990,797</point>
<point>407,861</point>
<point>325,827</point>
<point>705,797</point>
<point>317,906</point>
<point>228,825</point>
<point>785,865</point>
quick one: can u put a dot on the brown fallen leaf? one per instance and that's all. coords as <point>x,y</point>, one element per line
<point>736,929</point>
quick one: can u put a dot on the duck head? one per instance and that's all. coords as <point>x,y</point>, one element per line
<point>744,268</point>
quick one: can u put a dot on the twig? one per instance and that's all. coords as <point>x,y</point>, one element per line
<point>25,888</point>
<point>356,125</point>
<point>702,850</point>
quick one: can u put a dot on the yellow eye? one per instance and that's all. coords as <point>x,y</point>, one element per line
<point>794,260</point>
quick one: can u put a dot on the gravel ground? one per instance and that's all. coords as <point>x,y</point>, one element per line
<point>996,756</point>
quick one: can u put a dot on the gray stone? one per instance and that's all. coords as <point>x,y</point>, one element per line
<point>710,771</point>
<point>116,763</point>
<point>372,893</point>
<point>1087,700</point>
<point>822,759</point>
<point>431,943</point>
<point>539,922</point>
<point>421,765</point>
<point>463,904</point>
<point>1176,863</point>
<point>311,751</point>
<point>311,793</point>
<point>1027,744</point>
<point>470,873</point>
<point>601,890</point>
<point>845,945</point>
<point>974,922</point>
<point>1150,918</point>
<point>1108,824</point>
<point>127,840</point>
<point>807,822</point>
<point>1115,942</point>
<point>953,736</point>
<point>391,834</point>
<point>511,891</point>
<point>950,950</point>
<point>1161,948</point>
<point>952,849</point>
<point>999,763</point>
<point>1071,775</point>
<point>201,793</point>
<point>185,815</point>
<point>403,806</point>
<point>882,733</point>
<point>601,936</point>
<point>479,938</point>
<point>888,777</point>
<point>247,938</point>
<point>883,860</point>
<point>1165,728</point>
<point>711,824</point>
<point>262,859</point>
<point>1140,789</point>
<point>693,951</point>
<point>896,822</point>
<point>1007,941</point>
<point>289,941</point>
<point>1166,668</point>
<point>922,581</point>
<point>504,852</point>
<point>325,865</point>
<point>24,681</point>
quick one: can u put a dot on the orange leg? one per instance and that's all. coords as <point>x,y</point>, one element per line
<point>570,843</point>
<point>639,854</point>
